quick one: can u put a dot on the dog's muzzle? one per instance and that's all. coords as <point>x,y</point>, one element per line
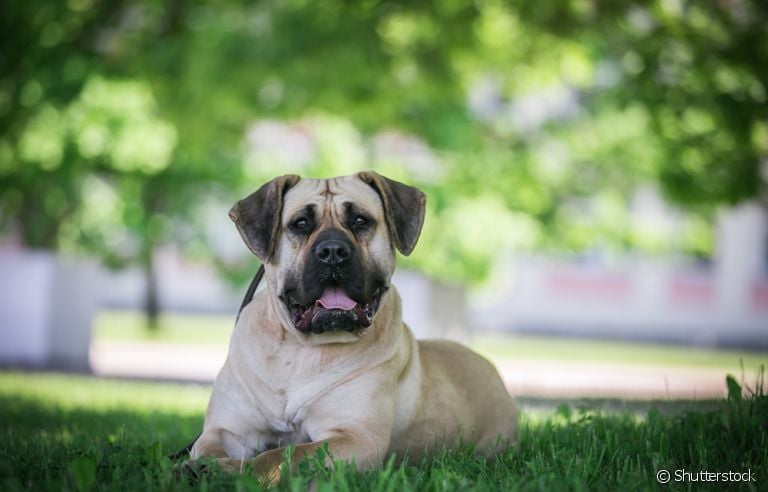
<point>336,293</point>
<point>335,311</point>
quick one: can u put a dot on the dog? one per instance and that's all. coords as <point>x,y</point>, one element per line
<point>321,356</point>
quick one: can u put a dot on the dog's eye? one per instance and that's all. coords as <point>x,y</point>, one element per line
<point>359,223</point>
<point>301,223</point>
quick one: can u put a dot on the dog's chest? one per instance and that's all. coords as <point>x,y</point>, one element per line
<point>279,385</point>
<point>289,381</point>
<point>295,380</point>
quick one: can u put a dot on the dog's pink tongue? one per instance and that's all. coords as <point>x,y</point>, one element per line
<point>336,298</point>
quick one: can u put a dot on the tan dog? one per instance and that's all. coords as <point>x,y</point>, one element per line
<point>322,355</point>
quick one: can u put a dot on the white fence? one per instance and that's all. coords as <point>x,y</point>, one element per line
<point>723,303</point>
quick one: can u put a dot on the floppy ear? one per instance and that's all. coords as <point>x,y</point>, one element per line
<point>257,216</point>
<point>404,208</point>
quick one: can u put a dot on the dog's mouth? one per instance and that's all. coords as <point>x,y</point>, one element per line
<point>334,310</point>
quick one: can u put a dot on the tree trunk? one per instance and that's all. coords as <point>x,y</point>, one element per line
<point>151,301</point>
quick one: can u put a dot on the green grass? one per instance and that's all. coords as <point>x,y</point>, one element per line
<point>80,433</point>
<point>624,352</point>
<point>128,326</point>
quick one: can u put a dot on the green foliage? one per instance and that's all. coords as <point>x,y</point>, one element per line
<point>76,433</point>
<point>734,388</point>
<point>82,470</point>
<point>115,119</point>
<point>699,71</point>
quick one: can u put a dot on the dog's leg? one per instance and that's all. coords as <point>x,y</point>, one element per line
<point>208,445</point>
<point>342,445</point>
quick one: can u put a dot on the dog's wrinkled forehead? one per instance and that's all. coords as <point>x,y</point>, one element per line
<point>330,196</point>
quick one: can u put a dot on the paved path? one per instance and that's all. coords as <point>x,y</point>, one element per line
<point>559,379</point>
<point>154,360</point>
<point>533,378</point>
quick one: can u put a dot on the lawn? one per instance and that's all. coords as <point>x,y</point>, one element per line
<point>63,432</point>
<point>128,326</point>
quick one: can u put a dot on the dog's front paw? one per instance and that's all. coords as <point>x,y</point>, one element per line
<point>233,465</point>
<point>268,466</point>
<point>267,471</point>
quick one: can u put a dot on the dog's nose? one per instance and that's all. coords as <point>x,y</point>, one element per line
<point>332,251</point>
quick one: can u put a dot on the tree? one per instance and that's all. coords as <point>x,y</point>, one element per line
<point>142,105</point>
<point>84,152</point>
<point>701,72</point>
<point>149,103</point>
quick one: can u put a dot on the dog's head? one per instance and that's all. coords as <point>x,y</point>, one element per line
<point>328,246</point>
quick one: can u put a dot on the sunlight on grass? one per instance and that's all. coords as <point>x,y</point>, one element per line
<point>75,432</point>
<point>130,326</point>
<point>608,351</point>
<point>207,329</point>
<point>72,391</point>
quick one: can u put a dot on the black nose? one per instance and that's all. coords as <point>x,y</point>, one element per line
<point>332,251</point>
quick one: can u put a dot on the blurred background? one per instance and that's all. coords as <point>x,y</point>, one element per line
<point>597,177</point>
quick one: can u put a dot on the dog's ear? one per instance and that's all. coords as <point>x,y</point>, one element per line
<point>257,216</point>
<point>404,208</point>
